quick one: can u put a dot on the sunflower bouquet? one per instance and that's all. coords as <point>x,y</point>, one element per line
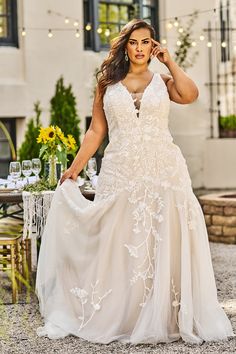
<point>55,146</point>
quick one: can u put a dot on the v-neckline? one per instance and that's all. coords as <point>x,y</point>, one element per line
<point>143,93</point>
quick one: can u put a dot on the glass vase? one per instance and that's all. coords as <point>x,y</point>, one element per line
<point>52,173</point>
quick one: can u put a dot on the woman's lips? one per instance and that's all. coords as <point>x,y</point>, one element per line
<point>139,56</point>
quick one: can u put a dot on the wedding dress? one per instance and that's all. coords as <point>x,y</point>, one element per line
<point>133,265</point>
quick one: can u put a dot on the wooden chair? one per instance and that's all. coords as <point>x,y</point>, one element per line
<point>11,260</point>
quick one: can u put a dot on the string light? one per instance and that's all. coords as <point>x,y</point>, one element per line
<point>169,25</point>
<point>170,22</point>
<point>23,32</point>
<point>88,27</point>
<point>50,33</point>
<point>107,32</point>
<point>176,23</point>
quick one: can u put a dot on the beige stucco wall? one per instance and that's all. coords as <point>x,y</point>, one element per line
<point>29,73</point>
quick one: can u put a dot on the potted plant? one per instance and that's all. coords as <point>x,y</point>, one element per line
<point>227,126</point>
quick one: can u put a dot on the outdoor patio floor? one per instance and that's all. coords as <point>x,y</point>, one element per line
<point>18,322</point>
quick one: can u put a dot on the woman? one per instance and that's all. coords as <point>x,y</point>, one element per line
<point>134,264</point>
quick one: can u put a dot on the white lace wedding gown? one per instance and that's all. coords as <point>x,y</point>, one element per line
<point>134,264</point>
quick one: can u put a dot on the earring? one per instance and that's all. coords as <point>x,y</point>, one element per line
<point>126,56</point>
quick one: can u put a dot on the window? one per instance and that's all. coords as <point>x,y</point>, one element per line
<point>103,20</point>
<point>8,23</point>
<point>5,152</point>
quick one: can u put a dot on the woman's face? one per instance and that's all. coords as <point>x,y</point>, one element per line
<point>139,46</point>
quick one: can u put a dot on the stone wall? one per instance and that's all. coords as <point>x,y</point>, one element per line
<point>220,216</point>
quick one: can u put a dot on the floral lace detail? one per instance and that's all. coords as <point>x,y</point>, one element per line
<point>142,161</point>
<point>189,208</point>
<point>95,302</point>
<point>147,216</point>
<point>175,302</point>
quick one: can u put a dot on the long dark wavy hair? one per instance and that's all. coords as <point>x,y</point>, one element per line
<point>114,68</point>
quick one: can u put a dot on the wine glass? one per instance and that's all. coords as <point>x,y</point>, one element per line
<point>15,172</point>
<point>27,169</point>
<point>36,167</point>
<point>91,170</point>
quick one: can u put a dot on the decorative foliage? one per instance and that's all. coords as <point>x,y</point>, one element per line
<point>184,56</point>
<point>40,186</point>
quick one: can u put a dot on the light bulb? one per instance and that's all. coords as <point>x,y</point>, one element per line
<point>88,27</point>
<point>67,20</point>
<point>76,23</point>
<point>194,44</point>
<point>176,23</point>
<point>224,44</point>
<point>181,30</point>
<point>169,25</point>
<point>50,33</point>
<point>209,44</point>
<point>23,32</point>
<point>77,34</point>
<point>178,43</point>
<point>202,37</point>
<point>99,30</point>
<point>164,41</point>
<point>107,32</point>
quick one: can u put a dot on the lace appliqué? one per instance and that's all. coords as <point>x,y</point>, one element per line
<point>147,216</point>
<point>188,207</point>
<point>95,302</point>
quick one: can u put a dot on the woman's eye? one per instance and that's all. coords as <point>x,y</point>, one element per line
<point>146,42</point>
<point>131,43</point>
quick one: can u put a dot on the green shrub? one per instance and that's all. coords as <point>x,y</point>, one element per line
<point>64,113</point>
<point>29,149</point>
<point>228,122</point>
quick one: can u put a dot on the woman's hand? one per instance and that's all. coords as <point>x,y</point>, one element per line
<point>71,173</point>
<point>162,54</point>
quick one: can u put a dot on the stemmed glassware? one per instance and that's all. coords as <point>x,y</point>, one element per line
<point>27,169</point>
<point>36,167</point>
<point>91,170</point>
<point>15,172</point>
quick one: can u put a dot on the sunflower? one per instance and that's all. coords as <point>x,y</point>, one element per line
<point>42,138</point>
<point>51,133</point>
<point>71,143</point>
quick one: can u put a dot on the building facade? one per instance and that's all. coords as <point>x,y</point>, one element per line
<point>42,40</point>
